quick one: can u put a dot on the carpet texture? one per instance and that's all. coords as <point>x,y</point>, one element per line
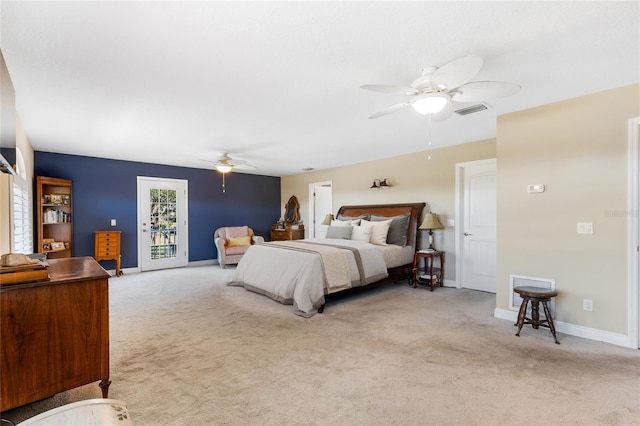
<point>188,350</point>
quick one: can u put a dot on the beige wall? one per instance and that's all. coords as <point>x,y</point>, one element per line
<point>578,149</point>
<point>414,179</point>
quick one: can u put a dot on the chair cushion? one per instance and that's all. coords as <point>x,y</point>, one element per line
<point>239,241</point>
<point>235,232</point>
<point>230,251</point>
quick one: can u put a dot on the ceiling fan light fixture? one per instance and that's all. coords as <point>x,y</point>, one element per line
<point>223,168</point>
<point>431,103</point>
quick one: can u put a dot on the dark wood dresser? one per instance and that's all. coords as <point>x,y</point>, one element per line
<point>54,334</point>
<point>288,233</point>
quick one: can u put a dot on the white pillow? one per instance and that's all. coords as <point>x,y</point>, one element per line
<point>341,223</point>
<point>361,233</point>
<point>379,232</point>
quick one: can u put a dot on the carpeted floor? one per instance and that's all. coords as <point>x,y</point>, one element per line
<point>188,350</point>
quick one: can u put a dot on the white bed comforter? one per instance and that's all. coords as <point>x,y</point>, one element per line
<point>298,276</point>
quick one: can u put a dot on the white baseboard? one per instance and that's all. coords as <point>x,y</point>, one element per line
<point>574,330</point>
<point>137,269</point>
<point>204,262</point>
<point>123,271</point>
<point>449,283</point>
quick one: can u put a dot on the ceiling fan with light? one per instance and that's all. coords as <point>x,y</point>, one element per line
<point>433,92</point>
<point>225,164</point>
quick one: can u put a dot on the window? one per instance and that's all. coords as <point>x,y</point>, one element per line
<point>22,223</point>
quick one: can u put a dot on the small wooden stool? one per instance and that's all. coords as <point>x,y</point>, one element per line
<point>535,295</point>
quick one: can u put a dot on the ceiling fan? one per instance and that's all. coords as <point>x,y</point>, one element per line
<point>225,164</point>
<point>433,92</point>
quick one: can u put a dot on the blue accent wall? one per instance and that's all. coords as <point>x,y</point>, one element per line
<point>106,189</point>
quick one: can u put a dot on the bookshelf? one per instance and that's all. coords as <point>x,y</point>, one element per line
<point>54,217</point>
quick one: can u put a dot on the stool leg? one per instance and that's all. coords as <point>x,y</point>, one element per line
<point>550,320</point>
<point>535,313</point>
<point>522,313</point>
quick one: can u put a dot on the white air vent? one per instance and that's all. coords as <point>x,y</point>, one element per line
<point>472,109</point>
<point>518,280</point>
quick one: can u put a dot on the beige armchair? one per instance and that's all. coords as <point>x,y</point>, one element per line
<point>232,242</point>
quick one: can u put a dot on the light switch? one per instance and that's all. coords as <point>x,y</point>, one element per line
<point>451,222</point>
<point>585,228</point>
<point>113,222</point>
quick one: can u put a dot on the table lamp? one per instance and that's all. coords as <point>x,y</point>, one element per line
<point>327,220</point>
<point>430,223</point>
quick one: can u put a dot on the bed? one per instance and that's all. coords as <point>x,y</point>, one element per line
<point>302,272</point>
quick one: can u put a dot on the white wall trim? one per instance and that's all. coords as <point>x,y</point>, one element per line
<point>572,330</point>
<point>206,262</point>
<point>633,217</point>
<point>124,271</point>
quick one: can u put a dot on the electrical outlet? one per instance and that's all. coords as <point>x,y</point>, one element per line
<point>587,305</point>
<point>113,222</point>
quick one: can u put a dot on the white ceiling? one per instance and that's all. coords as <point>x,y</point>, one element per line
<point>277,83</point>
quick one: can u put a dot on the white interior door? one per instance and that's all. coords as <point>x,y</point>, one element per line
<point>478,232</point>
<point>163,238</point>
<point>320,205</point>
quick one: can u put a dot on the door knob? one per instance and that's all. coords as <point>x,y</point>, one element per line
<point>466,234</point>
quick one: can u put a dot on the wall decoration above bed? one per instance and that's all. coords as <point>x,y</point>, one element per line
<point>302,272</point>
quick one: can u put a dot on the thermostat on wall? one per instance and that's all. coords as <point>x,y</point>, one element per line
<point>536,188</point>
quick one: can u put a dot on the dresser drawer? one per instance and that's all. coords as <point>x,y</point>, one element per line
<point>104,239</point>
<point>101,252</point>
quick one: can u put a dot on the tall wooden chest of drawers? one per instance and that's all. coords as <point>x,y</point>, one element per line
<point>107,247</point>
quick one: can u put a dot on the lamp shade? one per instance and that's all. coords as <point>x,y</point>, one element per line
<point>327,220</point>
<point>431,221</point>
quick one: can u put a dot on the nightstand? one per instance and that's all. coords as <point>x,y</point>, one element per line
<point>428,269</point>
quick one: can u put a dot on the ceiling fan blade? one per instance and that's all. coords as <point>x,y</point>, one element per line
<point>389,110</point>
<point>479,91</point>
<point>444,113</point>
<point>457,72</point>
<point>390,89</point>
<point>244,166</point>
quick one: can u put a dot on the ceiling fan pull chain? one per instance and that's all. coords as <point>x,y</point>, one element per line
<point>223,187</point>
<point>429,136</point>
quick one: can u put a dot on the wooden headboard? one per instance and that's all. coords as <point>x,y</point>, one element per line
<point>414,209</point>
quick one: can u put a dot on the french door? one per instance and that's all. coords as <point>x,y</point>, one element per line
<point>163,237</point>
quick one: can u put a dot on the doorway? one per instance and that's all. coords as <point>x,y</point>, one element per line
<point>634,234</point>
<point>320,205</point>
<point>476,212</point>
<point>162,223</point>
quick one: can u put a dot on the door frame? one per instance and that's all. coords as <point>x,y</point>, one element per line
<point>185,182</point>
<point>312,206</point>
<point>633,218</point>
<point>459,214</point>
